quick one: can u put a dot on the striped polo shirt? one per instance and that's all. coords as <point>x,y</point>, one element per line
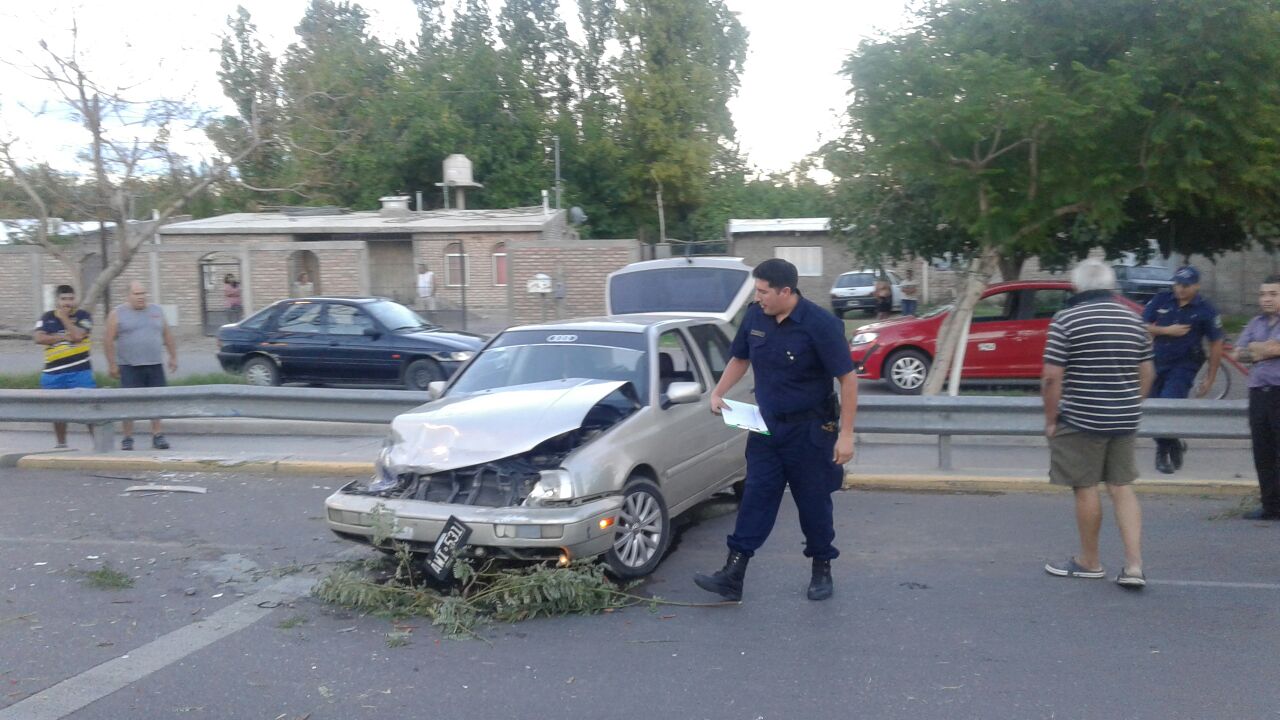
<point>1100,342</point>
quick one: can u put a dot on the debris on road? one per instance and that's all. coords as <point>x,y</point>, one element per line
<point>166,488</point>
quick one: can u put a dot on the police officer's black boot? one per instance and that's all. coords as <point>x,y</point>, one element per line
<point>820,586</point>
<point>727,581</point>
<point>1163,462</point>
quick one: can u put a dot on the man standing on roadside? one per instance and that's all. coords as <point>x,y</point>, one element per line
<point>795,349</point>
<point>1180,320</point>
<point>1259,344</point>
<point>64,333</point>
<point>1097,370</point>
<point>426,290</point>
<point>136,337</point>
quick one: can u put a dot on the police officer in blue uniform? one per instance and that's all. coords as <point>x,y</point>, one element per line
<point>1179,321</point>
<point>795,349</point>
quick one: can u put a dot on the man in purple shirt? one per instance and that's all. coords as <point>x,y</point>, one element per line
<point>1259,345</point>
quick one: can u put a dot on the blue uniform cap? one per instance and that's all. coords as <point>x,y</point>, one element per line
<point>1186,275</point>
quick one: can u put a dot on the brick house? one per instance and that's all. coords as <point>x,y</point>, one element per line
<point>481,258</point>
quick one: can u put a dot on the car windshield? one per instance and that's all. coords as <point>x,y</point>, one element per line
<point>532,356</point>
<point>855,280</point>
<point>397,317</point>
<point>1150,273</point>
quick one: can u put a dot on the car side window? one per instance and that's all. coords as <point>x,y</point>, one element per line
<point>1047,303</point>
<point>675,361</point>
<point>301,318</point>
<point>714,346</point>
<point>998,306</point>
<point>347,320</point>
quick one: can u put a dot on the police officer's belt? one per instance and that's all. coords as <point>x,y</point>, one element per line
<point>814,414</point>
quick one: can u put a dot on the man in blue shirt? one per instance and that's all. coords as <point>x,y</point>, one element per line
<point>795,349</point>
<point>1179,321</point>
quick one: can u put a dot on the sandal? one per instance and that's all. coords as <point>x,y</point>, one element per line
<point>1071,568</point>
<point>1133,582</point>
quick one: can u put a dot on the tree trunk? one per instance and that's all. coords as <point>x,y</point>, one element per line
<point>980,271</point>
<point>1011,266</point>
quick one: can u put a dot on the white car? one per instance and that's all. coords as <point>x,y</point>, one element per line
<point>854,291</point>
<point>572,439</point>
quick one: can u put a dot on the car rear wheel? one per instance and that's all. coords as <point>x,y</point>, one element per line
<point>905,371</point>
<point>643,531</point>
<point>421,373</point>
<point>261,371</point>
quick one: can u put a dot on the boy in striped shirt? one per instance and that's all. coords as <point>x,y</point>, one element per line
<point>1097,370</point>
<point>64,333</point>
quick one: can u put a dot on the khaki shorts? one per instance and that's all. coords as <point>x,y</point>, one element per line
<point>1084,459</point>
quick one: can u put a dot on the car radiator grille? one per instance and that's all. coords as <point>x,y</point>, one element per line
<point>489,485</point>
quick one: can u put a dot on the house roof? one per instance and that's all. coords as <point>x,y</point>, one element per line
<point>780,225</point>
<point>526,219</point>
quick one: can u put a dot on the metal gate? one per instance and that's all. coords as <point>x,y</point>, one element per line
<point>214,268</point>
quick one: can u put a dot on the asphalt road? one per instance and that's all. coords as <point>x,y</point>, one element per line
<point>941,610</point>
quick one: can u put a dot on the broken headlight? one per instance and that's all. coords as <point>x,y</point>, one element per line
<point>384,476</point>
<point>554,486</point>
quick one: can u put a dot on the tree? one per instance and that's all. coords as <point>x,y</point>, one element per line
<point>126,143</point>
<point>680,66</point>
<point>1022,122</point>
<point>334,81</point>
<point>250,79</point>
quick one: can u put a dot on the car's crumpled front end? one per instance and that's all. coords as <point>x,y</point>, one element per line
<point>494,461</point>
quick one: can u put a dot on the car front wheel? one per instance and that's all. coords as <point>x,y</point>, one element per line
<point>905,371</point>
<point>643,531</point>
<point>421,373</point>
<point>261,371</point>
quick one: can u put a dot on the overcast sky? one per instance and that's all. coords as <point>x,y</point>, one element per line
<point>790,101</point>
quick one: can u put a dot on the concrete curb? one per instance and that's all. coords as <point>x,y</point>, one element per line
<point>1038,484</point>
<point>158,464</point>
<point>852,481</point>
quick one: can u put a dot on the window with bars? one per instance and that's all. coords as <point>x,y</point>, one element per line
<point>457,267</point>
<point>499,254</point>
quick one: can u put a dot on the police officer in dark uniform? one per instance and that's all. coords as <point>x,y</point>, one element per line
<point>795,349</point>
<point>1179,320</point>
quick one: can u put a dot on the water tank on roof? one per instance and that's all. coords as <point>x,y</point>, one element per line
<point>457,171</point>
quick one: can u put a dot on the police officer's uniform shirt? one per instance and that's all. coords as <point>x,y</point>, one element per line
<point>794,361</point>
<point>1205,322</point>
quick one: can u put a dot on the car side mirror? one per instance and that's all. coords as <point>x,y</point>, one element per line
<point>371,332</point>
<point>682,393</point>
<point>435,389</point>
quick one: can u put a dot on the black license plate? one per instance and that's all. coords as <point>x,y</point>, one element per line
<point>451,541</point>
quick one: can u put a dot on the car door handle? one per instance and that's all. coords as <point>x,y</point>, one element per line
<point>986,347</point>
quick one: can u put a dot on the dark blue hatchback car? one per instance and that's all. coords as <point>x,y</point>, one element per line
<point>342,341</point>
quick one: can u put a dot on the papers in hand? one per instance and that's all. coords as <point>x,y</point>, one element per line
<point>743,415</point>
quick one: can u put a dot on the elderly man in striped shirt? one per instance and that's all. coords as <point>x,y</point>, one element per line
<point>1097,369</point>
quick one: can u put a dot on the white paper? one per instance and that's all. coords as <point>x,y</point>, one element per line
<point>743,415</point>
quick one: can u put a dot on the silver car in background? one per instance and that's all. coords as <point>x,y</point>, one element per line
<point>572,439</point>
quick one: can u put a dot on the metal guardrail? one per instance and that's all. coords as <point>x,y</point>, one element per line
<point>100,408</point>
<point>942,416</point>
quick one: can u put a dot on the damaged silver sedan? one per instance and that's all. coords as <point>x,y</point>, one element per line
<point>574,439</point>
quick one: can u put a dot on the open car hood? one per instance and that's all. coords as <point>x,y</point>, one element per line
<point>456,432</point>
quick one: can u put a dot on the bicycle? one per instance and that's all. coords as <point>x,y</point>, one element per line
<point>1222,383</point>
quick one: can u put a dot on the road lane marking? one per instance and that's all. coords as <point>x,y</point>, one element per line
<point>1216,584</point>
<point>78,691</point>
